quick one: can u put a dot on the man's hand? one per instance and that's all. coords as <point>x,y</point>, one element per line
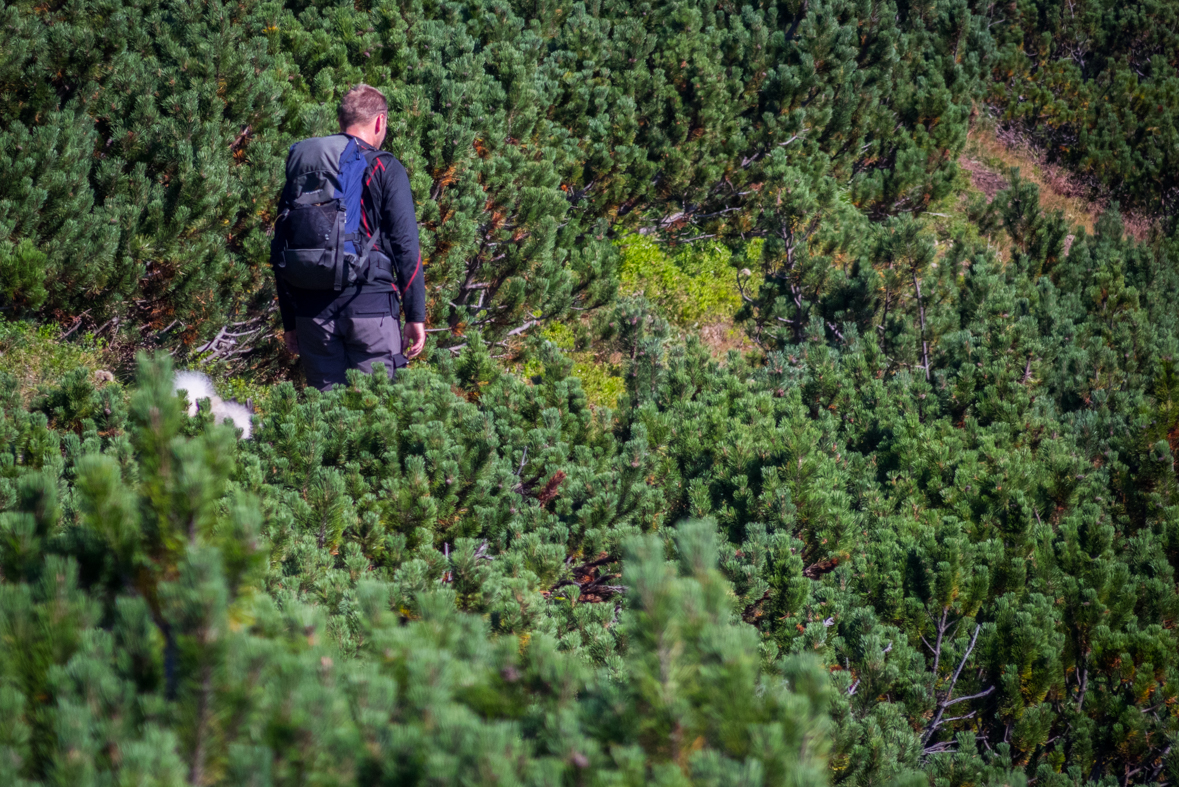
<point>413,334</point>
<point>291,340</point>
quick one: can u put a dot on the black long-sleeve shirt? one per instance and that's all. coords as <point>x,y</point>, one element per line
<point>387,203</point>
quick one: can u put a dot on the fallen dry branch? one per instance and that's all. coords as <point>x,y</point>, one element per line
<point>234,339</point>
<point>753,612</point>
<point>592,585</point>
<point>822,567</point>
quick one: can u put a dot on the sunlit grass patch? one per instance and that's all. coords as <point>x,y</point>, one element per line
<point>690,285</point>
<point>37,356</point>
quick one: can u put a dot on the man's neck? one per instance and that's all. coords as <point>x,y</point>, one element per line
<point>360,136</point>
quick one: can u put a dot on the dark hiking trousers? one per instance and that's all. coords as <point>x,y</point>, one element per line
<point>331,347</point>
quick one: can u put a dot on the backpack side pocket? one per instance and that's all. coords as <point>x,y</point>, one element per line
<point>309,269</point>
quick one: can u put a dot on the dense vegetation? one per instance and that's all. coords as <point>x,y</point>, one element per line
<point>144,142</point>
<point>1096,83</point>
<point>924,531</point>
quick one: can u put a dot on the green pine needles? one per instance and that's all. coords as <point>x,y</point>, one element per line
<point>835,565</point>
<point>138,646</point>
<point>144,144</point>
<point>927,533</point>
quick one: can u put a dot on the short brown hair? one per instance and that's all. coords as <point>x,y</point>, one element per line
<point>360,105</point>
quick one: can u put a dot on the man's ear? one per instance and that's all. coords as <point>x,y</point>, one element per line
<point>382,121</point>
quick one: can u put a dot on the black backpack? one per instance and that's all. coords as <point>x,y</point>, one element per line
<point>321,213</point>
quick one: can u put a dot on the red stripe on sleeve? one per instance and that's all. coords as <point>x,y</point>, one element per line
<point>414,276</point>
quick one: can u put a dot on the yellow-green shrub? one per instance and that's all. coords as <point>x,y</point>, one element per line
<point>690,285</point>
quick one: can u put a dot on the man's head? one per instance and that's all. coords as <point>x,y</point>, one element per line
<point>364,113</point>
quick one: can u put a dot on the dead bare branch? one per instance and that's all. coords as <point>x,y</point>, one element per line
<point>946,698</point>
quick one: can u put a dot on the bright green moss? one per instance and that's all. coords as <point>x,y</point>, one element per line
<point>691,285</point>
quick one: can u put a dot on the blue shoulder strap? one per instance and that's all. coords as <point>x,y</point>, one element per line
<point>352,167</point>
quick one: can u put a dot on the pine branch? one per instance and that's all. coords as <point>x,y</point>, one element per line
<point>77,325</point>
<point>240,139</point>
<point>196,774</point>
<point>946,700</point>
<point>921,312</point>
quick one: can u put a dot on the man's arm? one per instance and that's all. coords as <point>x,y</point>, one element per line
<point>399,228</point>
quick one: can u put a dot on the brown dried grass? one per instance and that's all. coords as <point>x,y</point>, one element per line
<point>991,152</point>
<point>987,154</point>
<point>720,337</point>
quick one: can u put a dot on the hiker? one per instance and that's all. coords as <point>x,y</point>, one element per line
<point>345,249</point>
